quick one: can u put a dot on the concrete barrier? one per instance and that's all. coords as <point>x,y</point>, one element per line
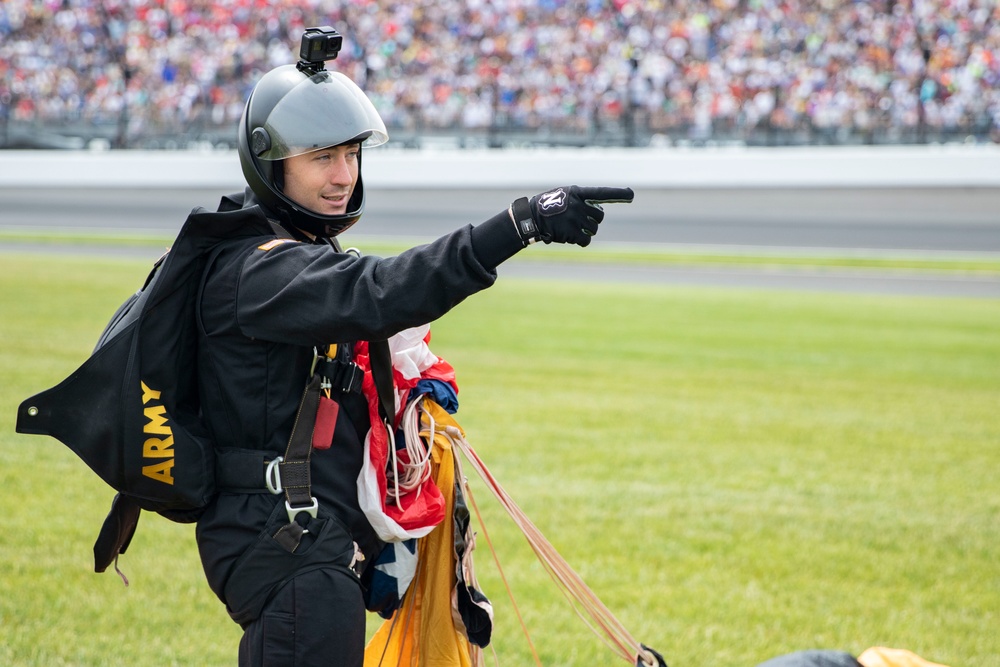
<point>813,167</point>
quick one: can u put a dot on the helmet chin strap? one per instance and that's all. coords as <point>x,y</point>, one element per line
<point>315,224</point>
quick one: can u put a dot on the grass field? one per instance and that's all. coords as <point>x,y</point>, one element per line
<point>738,474</point>
<point>962,263</point>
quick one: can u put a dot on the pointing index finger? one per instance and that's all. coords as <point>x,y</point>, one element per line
<point>606,195</point>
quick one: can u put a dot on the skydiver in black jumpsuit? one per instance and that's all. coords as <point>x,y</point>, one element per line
<point>268,302</point>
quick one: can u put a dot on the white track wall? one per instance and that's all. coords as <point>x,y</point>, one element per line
<point>812,167</point>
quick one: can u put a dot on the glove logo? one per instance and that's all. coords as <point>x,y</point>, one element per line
<point>552,202</point>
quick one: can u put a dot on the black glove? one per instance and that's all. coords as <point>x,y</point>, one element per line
<point>564,215</point>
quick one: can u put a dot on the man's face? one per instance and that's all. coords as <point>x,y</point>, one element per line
<point>322,181</point>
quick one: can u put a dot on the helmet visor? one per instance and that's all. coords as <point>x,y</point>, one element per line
<point>327,109</point>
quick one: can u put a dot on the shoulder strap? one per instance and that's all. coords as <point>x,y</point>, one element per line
<point>296,479</point>
<point>381,363</point>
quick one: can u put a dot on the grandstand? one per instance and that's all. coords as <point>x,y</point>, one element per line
<point>172,73</point>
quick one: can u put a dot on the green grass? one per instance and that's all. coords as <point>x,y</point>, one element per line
<point>738,474</point>
<point>985,264</point>
<point>85,238</point>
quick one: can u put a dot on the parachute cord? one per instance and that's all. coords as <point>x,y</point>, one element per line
<point>410,475</point>
<point>393,477</point>
<point>503,576</point>
<point>120,573</point>
<point>418,470</point>
<point>581,598</point>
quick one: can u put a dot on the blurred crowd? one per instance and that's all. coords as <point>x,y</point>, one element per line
<point>699,68</point>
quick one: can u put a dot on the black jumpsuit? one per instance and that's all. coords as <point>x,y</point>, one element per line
<point>264,305</point>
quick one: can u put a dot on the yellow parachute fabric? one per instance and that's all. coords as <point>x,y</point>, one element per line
<point>880,656</point>
<point>422,632</point>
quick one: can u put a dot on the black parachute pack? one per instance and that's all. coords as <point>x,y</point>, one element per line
<point>131,411</point>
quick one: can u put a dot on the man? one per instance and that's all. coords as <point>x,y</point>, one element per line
<point>269,306</point>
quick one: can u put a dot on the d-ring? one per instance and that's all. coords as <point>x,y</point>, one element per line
<point>272,476</point>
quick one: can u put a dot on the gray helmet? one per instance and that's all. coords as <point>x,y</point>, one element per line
<point>293,111</point>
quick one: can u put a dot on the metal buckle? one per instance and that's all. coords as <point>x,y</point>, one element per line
<point>312,510</point>
<point>272,479</point>
<point>272,476</point>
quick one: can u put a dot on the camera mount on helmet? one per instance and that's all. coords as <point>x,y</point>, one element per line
<point>318,46</point>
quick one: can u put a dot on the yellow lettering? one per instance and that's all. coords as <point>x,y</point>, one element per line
<point>154,448</point>
<point>161,472</point>
<point>148,394</point>
<point>157,416</point>
<point>157,448</point>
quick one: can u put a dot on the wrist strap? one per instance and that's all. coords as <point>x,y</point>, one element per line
<point>524,223</point>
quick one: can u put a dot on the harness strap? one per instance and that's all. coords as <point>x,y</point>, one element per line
<point>242,470</point>
<point>294,467</point>
<point>381,363</point>
<point>296,478</point>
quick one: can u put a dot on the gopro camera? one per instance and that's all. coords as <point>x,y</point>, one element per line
<point>319,45</point>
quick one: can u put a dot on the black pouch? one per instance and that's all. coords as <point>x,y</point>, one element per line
<point>116,533</point>
<point>267,565</point>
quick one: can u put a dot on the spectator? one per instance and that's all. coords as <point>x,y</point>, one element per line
<point>697,68</point>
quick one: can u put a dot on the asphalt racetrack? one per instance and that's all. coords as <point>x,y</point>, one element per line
<point>946,222</point>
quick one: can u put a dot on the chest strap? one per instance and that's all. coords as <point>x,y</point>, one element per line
<point>242,470</point>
